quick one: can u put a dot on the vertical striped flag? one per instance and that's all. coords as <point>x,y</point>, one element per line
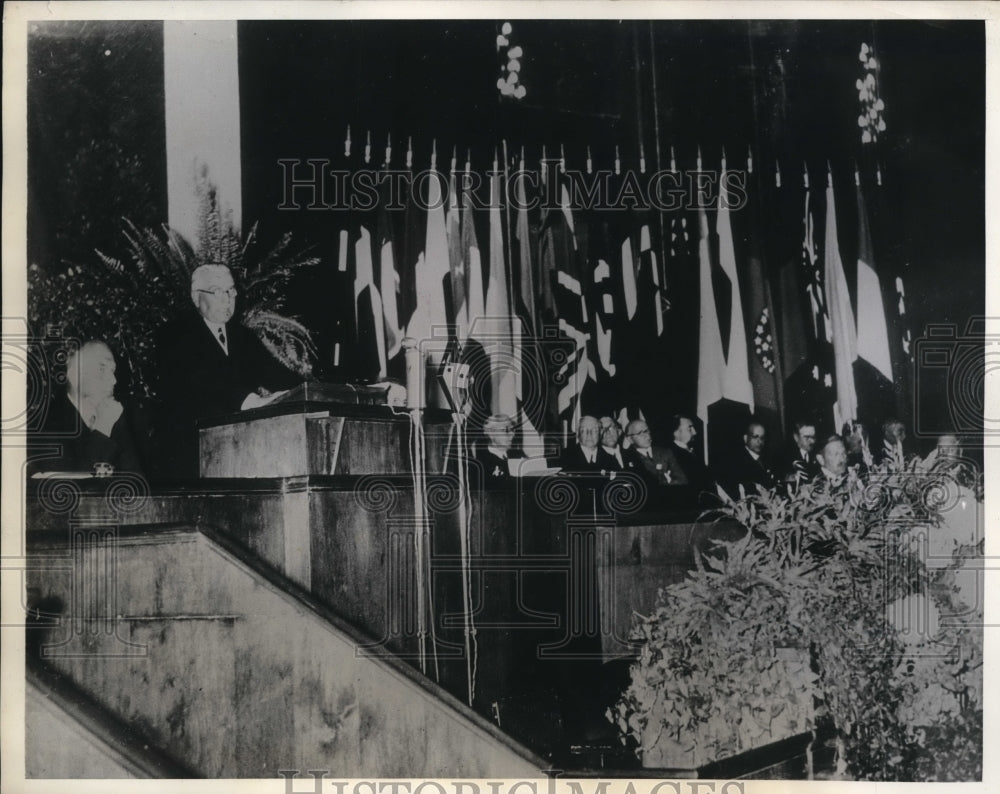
<point>736,380</point>
<point>843,331</point>
<point>498,314</point>
<point>388,277</point>
<point>370,327</point>
<point>873,331</point>
<point>456,263</point>
<point>711,360</point>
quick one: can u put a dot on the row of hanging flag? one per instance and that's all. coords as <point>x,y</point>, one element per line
<point>569,304</point>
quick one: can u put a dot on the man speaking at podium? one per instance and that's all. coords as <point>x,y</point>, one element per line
<point>210,366</point>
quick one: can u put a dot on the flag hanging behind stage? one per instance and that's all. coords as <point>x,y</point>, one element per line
<point>842,329</point>
<point>873,332</point>
<point>736,380</point>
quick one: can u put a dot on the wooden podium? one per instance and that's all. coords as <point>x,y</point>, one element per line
<point>318,429</point>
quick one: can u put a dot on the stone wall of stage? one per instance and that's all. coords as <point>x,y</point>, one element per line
<point>554,577</point>
<point>219,661</point>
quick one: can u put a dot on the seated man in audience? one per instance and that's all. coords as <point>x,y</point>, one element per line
<point>948,448</point>
<point>495,455</point>
<point>695,472</point>
<point>657,465</point>
<point>832,459</point>
<point>950,458</point>
<point>88,424</point>
<point>747,469</point>
<point>800,463</point>
<point>859,456</point>
<point>609,455</point>
<point>582,456</point>
<point>210,365</point>
<point>893,440</point>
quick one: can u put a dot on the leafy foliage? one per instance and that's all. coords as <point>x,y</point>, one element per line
<point>824,613</point>
<point>126,301</point>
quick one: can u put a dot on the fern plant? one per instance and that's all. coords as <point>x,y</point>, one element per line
<point>125,301</point>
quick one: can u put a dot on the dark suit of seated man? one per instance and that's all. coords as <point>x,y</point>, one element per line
<point>581,458</point>
<point>894,448</point>
<point>699,477</point>
<point>610,456</point>
<point>210,366</point>
<point>494,457</point>
<point>666,483</point>
<point>800,463</point>
<point>747,468</point>
<point>87,423</point>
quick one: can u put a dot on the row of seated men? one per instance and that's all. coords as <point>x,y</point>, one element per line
<point>604,448</point>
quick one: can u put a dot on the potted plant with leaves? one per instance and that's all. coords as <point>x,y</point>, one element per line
<point>791,628</point>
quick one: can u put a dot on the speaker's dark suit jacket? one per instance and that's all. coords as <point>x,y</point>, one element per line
<point>197,379</point>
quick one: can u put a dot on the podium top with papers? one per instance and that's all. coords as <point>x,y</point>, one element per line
<point>346,399</point>
<point>318,428</point>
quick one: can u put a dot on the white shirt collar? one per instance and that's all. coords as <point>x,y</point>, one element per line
<point>752,454</point>
<point>216,329</point>
<point>500,453</point>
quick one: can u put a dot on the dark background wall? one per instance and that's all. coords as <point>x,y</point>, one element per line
<point>96,136</point>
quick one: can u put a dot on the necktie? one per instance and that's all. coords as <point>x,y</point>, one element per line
<point>222,338</point>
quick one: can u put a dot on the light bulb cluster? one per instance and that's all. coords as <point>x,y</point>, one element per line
<point>870,120</point>
<point>509,82</point>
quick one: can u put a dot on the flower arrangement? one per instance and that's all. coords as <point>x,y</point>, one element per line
<point>825,614</point>
<point>126,301</point>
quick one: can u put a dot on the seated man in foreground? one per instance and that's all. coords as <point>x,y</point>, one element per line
<point>210,366</point>
<point>832,459</point>
<point>87,423</point>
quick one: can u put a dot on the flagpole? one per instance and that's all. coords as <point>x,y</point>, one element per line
<point>510,270</point>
